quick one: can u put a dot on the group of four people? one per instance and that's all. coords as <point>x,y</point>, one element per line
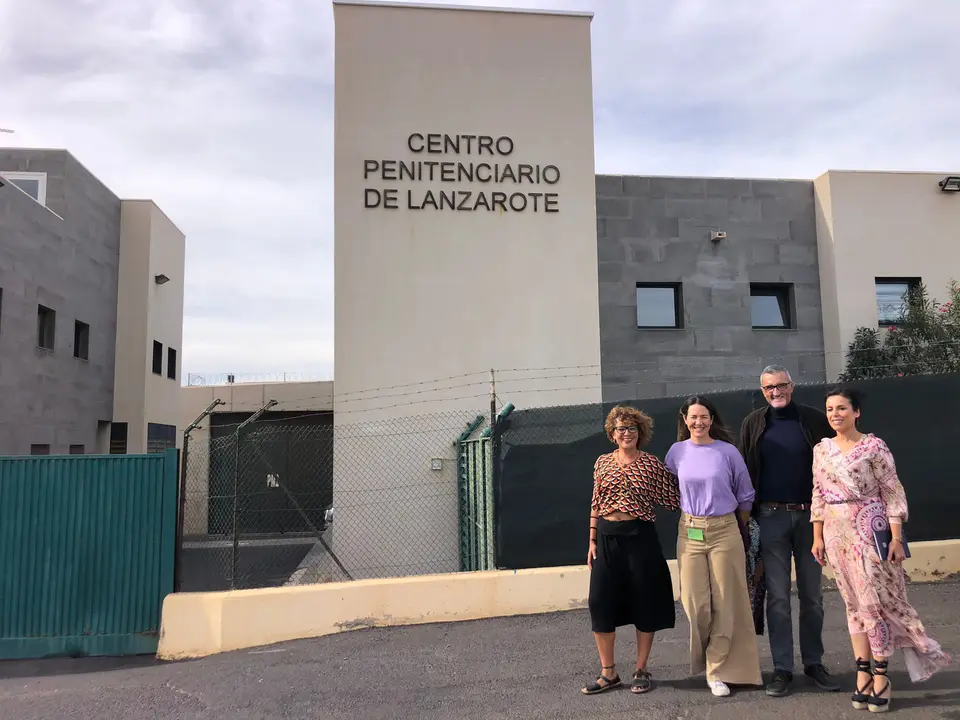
<point>801,486</point>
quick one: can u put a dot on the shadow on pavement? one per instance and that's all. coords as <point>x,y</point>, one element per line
<point>55,666</point>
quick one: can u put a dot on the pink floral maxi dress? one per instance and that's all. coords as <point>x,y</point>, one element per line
<point>853,495</point>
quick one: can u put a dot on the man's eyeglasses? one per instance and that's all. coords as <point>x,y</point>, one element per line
<point>781,387</point>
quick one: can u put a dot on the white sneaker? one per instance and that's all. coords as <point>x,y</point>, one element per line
<point>718,688</point>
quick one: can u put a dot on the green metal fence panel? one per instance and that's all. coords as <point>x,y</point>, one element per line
<point>86,553</point>
<point>475,471</point>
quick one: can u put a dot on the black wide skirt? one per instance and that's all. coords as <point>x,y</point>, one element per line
<point>630,582</point>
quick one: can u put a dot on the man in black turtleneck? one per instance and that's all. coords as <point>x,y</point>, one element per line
<point>777,445</point>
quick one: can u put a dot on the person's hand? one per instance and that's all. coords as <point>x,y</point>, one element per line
<point>819,553</point>
<point>591,554</point>
<point>896,553</point>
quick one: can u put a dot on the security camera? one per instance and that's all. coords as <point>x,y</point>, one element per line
<point>717,235</point>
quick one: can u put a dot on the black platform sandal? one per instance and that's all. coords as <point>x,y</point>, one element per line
<point>602,684</point>
<point>876,701</point>
<point>861,698</point>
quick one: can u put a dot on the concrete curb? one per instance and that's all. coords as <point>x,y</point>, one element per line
<point>200,624</point>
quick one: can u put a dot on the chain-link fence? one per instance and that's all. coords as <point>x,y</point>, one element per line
<point>288,498</point>
<point>274,500</point>
<point>549,453</point>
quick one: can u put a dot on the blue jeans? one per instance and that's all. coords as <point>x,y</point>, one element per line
<point>786,535</point>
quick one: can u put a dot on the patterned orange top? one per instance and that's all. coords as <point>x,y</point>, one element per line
<point>634,488</point>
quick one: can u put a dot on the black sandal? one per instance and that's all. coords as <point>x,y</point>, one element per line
<point>875,701</point>
<point>861,698</point>
<point>602,684</point>
<point>641,682</point>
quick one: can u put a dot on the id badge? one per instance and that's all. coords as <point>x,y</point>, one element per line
<point>695,533</point>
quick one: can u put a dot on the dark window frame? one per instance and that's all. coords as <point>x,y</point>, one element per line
<point>171,363</point>
<point>157,358</point>
<point>784,293</point>
<point>81,340</point>
<point>677,288</point>
<point>46,325</point>
<point>118,438</point>
<point>912,284</point>
<point>161,437</point>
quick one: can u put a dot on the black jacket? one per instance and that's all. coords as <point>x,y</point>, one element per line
<point>813,423</point>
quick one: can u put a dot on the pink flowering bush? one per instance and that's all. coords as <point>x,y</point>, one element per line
<point>926,341</point>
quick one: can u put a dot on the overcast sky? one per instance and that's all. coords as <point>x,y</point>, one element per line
<point>222,112</point>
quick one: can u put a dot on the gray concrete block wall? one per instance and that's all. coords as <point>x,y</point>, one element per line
<point>69,263</point>
<point>656,229</point>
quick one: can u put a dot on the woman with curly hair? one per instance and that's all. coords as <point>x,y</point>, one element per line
<point>630,582</point>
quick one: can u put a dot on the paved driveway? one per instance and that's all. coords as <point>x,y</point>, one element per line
<point>529,667</point>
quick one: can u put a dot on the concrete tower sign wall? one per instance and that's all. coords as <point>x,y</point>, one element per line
<point>464,170</point>
<point>465,230</point>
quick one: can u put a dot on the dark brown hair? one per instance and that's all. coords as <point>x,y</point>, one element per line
<point>639,418</point>
<point>718,431</point>
<point>852,396</point>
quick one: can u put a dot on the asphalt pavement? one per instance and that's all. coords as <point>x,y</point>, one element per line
<point>511,668</point>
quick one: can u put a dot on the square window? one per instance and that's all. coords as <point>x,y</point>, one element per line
<point>659,305</point>
<point>157,358</point>
<point>771,306</point>
<point>46,327</point>
<point>171,363</point>
<point>81,340</point>
<point>891,295</point>
<point>33,184</point>
<point>160,437</point>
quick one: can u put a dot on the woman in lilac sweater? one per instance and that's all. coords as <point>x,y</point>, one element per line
<point>716,496</point>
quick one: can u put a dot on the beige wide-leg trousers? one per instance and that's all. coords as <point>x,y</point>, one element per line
<point>713,591</point>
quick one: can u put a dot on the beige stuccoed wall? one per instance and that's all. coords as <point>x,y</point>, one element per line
<point>244,397</point>
<point>427,301</point>
<point>165,318</point>
<point>198,624</point>
<point>249,397</point>
<point>424,295</point>
<point>874,224</point>
<point>132,354</point>
<point>150,244</point>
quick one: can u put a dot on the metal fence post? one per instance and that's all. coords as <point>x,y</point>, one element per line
<point>490,544</point>
<point>465,471</point>
<point>182,493</point>
<point>495,471</point>
<point>181,511</point>
<point>234,555</point>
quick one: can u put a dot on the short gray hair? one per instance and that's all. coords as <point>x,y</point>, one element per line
<point>774,369</point>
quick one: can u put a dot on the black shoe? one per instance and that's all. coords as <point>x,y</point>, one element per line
<point>877,702</point>
<point>780,684</point>
<point>861,698</point>
<point>641,682</point>
<point>821,677</point>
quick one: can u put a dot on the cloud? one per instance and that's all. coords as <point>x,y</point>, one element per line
<point>222,113</point>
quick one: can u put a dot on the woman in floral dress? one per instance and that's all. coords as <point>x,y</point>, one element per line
<point>856,492</point>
